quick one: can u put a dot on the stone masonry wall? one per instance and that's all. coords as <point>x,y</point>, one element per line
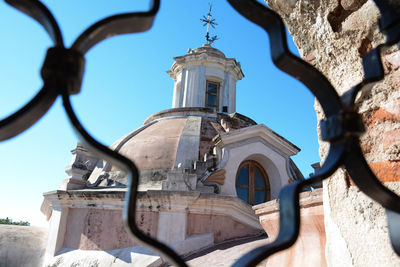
<point>333,35</point>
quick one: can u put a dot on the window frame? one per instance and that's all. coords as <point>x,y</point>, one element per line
<point>251,181</point>
<point>216,94</point>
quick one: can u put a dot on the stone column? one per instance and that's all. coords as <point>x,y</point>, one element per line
<point>177,94</point>
<point>193,76</point>
<point>201,90</point>
<point>232,95</point>
<point>225,92</point>
<point>333,36</point>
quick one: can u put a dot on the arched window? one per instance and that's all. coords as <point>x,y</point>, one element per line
<point>252,184</point>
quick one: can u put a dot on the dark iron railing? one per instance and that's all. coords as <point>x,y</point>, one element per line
<point>62,73</point>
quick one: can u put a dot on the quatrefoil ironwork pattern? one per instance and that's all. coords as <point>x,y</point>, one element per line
<point>62,73</point>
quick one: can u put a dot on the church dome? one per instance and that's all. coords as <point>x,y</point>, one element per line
<point>174,139</point>
<point>187,147</point>
<point>181,139</point>
<point>199,145</point>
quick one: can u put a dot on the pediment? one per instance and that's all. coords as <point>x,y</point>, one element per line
<point>259,131</point>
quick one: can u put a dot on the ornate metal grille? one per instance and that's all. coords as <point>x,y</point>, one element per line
<point>62,73</point>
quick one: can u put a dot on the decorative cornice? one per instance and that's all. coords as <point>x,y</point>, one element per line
<point>154,200</point>
<point>261,131</point>
<point>182,112</point>
<point>207,60</point>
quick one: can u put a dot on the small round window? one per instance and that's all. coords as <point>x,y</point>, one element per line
<point>252,185</point>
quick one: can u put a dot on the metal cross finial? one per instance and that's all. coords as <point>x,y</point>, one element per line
<point>209,21</point>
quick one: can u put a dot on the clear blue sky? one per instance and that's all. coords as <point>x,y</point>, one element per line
<point>125,82</point>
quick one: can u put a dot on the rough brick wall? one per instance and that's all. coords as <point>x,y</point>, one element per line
<point>333,35</point>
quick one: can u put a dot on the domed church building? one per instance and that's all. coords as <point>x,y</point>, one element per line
<point>202,168</point>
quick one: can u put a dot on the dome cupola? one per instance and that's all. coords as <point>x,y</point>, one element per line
<point>204,77</point>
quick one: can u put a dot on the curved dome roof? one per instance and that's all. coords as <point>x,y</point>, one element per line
<point>168,139</point>
<point>206,48</point>
<point>154,145</point>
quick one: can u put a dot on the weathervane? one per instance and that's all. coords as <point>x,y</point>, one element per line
<point>209,21</point>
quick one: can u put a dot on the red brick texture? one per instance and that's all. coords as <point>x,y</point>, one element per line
<point>386,171</point>
<point>382,115</point>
